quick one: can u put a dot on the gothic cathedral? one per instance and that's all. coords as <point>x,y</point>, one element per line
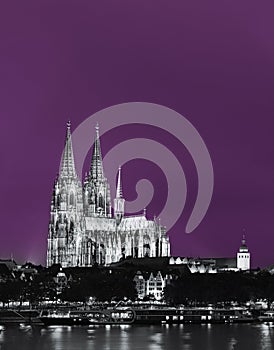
<point>82,228</point>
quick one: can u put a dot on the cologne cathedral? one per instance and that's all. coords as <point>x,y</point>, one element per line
<point>83,228</point>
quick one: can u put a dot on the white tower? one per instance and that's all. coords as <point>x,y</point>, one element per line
<point>243,256</point>
<point>119,201</point>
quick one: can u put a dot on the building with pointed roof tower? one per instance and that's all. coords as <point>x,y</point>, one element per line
<point>82,229</point>
<point>241,262</point>
<point>243,256</point>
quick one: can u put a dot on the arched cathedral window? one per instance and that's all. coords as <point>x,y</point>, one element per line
<point>101,201</point>
<point>71,198</point>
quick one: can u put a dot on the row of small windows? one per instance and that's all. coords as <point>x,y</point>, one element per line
<point>151,283</point>
<point>151,288</point>
<point>243,256</point>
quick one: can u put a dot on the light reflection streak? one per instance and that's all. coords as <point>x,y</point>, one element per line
<point>162,337</point>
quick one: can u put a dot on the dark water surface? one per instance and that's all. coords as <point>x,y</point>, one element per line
<point>188,337</point>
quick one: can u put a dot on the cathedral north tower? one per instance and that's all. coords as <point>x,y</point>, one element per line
<point>97,202</point>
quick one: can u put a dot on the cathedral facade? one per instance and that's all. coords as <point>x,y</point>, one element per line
<point>83,228</point>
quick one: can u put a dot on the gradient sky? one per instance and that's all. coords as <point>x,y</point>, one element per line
<point>211,61</point>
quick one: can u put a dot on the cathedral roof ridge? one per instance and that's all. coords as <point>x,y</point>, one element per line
<point>134,216</point>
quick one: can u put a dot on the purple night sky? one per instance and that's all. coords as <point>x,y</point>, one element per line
<point>212,62</point>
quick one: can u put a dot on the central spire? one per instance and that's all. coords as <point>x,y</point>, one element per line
<point>119,192</point>
<point>119,201</point>
<point>96,169</point>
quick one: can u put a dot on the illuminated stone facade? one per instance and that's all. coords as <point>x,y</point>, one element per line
<point>82,228</point>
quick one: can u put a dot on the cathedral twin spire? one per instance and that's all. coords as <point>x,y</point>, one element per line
<point>96,188</point>
<point>67,168</point>
<point>96,168</point>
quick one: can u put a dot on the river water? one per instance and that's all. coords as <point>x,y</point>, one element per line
<point>188,337</point>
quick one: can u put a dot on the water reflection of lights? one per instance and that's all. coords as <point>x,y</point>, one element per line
<point>109,337</point>
<point>91,331</point>
<point>267,336</point>
<point>56,327</point>
<point>124,326</point>
<point>108,343</point>
<point>48,330</point>
<point>2,334</point>
<point>186,336</point>
<point>156,341</point>
<point>57,332</point>
<point>232,343</point>
<point>124,340</point>
<point>187,347</point>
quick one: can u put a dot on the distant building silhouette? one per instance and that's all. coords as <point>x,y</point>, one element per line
<point>214,265</point>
